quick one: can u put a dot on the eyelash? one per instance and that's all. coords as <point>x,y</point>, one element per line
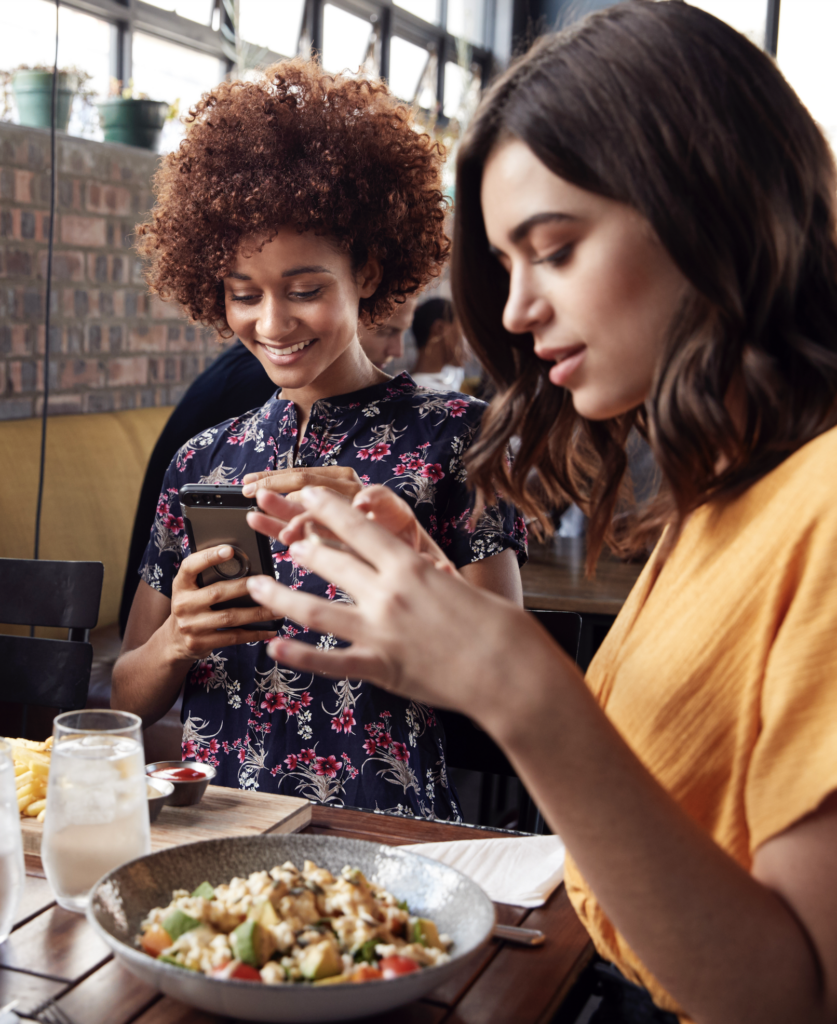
<point>302,296</point>
<point>556,259</point>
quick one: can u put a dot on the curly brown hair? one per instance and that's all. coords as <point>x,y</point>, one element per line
<point>326,153</point>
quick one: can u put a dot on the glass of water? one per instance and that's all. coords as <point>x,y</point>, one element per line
<point>97,804</point>
<point>11,845</point>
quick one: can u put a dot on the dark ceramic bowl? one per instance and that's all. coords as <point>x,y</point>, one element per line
<point>162,790</point>
<point>121,899</point>
<point>186,791</point>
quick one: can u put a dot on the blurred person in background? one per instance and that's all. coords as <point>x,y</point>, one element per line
<point>441,347</point>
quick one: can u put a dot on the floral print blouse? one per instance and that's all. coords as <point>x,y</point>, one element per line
<point>264,726</point>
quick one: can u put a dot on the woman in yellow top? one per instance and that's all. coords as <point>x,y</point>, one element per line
<point>645,237</point>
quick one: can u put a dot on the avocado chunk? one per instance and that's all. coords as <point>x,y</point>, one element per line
<point>252,943</point>
<point>322,960</point>
<point>177,923</point>
<point>205,890</point>
<point>426,933</point>
<point>263,912</point>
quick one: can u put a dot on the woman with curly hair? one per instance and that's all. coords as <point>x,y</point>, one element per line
<point>670,263</point>
<point>296,205</point>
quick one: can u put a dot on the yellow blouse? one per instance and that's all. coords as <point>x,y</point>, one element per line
<point>721,670</point>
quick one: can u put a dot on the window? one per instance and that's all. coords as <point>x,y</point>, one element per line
<point>427,10</point>
<point>166,71</point>
<point>807,31</point>
<point>747,16</point>
<point>194,10</point>
<point>466,20</point>
<point>412,73</point>
<point>347,40</point>
<point>272,24</point>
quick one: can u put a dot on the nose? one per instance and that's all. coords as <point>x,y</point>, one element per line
<point>526,307</point>
<point>274,321</point>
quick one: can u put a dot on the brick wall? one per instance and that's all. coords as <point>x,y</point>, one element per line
<point>112,346</point>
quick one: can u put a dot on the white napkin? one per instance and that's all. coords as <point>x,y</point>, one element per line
<point>522,870</point>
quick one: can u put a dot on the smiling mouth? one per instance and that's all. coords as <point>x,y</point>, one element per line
<point>274,350</point>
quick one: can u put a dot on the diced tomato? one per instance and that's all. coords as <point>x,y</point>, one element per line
<point>155,940</point>
<point>236,969</point>
<point>366,972</point>
<point>394,966</point>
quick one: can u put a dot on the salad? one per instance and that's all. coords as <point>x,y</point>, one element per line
<point>286,926</point>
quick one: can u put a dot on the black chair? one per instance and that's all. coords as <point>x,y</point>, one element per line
<point>35,671</point>
<point>470,748</point>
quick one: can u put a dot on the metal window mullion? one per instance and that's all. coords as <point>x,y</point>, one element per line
<point>771,28</point>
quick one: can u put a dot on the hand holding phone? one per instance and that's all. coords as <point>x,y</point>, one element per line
<point>195,626</point>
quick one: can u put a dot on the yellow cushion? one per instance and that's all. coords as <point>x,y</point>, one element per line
<point>94,470</point>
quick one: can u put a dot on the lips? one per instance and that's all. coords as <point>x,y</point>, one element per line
<point>287,354</point>
<point>567,361</point>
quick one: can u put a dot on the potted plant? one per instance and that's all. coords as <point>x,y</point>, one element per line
<point>32,90</point>
<point>134,119</point>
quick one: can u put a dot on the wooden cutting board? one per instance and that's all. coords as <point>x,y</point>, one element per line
<point>222,812</point>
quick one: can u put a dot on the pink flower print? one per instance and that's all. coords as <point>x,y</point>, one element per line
<point>385,714</point>
<point>400,470</point>
<point>457,406</point>
<point>213,746</point>
<point>189,748</point>
<point>365,480</point>
<point>173,523</point>
<point>363,454</point>
<point>292,761</point>
<point>384,740</point>
<point>201,755</point>
<point>331,591</point>
<point>379,450</point>
<point>305,699</point>
<point>347,717</point>
<point>242,754</point>
<point>226,747</point>
<point>307,756</point>
<point>328,766</point>
<point>202,673</point>
<point>400,751</point>
<point>293,707</point>
<point>433,471</point>
<point>274,701</point>
<point>415,463</point>
<point>275,771</point>
<point>370,746</point>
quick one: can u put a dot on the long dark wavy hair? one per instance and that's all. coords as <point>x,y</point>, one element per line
<point>665,108</point>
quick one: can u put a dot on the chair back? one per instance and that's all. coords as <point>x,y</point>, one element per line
<point>37,671</point>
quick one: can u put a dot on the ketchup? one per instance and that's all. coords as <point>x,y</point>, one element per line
<point>178,774</point>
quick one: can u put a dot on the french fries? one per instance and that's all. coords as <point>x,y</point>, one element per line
<point>31,763</point>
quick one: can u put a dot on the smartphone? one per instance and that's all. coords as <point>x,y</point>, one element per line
<point>215,515</point>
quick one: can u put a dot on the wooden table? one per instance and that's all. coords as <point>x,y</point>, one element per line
<point>55,954</point>
<point>554,579</point>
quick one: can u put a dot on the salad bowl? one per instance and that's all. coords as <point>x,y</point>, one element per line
<point>121,899</point>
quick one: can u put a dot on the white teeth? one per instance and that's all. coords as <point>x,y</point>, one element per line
<point>286,351</point>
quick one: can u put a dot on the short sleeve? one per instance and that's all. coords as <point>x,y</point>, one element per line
<point>168,545</point>
<point>794,763</point>
<point>499,527</point>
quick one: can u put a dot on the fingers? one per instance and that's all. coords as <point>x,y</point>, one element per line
<point>345,663</point>
<point>394,514</point>
<point>350,525</point>
<point>288,481</point>
<point>194,565</point>
<point>323,616</point>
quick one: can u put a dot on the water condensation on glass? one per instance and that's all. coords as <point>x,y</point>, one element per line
<point>408,77</point>
<point>806,55</point>
<point>27,36</point>
<point>347,40</point>
<point>427,10</point>
<point>95,780</point>
<point>273,24</point>
<point>11,846</point>
<point>466,20</point>
<point>194,10</point>
<point>172,73</point>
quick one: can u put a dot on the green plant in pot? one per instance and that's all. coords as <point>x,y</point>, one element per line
<point>32,91</point>
<point>132,118</point>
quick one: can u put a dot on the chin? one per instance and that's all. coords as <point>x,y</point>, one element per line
<point>603,407</point>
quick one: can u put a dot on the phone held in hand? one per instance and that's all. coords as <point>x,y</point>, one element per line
<point>217,514</point>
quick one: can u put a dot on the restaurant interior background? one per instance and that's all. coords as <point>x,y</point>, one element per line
<point>119,360</point>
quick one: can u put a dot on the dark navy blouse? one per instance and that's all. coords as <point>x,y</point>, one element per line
<point>267,727</point>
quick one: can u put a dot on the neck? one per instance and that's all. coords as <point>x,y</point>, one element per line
<point>351,372</point>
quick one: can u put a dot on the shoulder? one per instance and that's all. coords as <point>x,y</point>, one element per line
<point>453,406</point>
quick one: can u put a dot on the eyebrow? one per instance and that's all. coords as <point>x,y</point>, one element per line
<point>293,272</point>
